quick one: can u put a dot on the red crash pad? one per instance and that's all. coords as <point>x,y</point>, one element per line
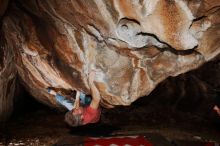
<point>147,139</point>
<point>118,141</point>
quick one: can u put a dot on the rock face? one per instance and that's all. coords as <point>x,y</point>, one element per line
<point>7,72</point>
<point>133,44</point>
<point>7,81</point>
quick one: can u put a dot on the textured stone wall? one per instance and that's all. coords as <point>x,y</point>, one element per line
<point>133,44</point>
<point>7,72</point>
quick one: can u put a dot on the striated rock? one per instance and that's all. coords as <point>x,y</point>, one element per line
<point>7,72</point>
<point>133,44</point>
<point>7,80</point>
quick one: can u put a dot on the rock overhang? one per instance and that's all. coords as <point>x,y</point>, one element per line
<point>133,45</point>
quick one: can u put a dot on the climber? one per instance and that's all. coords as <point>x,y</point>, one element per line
<point>82,109</point>
<point>82,115</point>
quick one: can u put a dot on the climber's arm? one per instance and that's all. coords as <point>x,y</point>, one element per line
<point>94,91</point>
<point>77,100</point>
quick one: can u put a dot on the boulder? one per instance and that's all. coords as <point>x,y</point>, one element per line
<point>7,71</point>
<point>132,44</point>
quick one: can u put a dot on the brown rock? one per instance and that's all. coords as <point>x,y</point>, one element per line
<point>133,44</point>
<point>7,79</point>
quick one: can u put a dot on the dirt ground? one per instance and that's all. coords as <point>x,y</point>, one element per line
<point>39,125</point>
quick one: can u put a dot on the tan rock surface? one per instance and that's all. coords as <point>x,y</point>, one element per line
<point>133,44</point>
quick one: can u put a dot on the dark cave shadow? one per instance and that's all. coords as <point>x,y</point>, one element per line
<point>94,130</point>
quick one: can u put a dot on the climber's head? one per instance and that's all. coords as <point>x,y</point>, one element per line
<point>74,118</point>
